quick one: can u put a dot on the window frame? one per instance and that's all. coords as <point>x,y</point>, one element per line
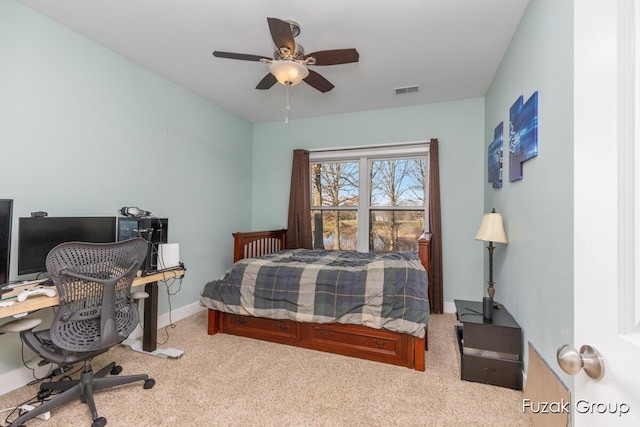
<point>363,155</point>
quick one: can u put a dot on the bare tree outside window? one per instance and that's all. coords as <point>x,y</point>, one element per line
<point>335,185</point>
<point>395,209</point>
<point>396,183</point>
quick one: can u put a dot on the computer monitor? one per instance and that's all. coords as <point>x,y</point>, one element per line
<point>153,230</point>
<point>6,214</point>
<point>37,236</point>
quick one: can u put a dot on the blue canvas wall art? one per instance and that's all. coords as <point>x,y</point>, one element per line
<point>523,134</point>
<point>494,156</point>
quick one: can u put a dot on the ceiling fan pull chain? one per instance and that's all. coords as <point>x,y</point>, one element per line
<point>286,111</point>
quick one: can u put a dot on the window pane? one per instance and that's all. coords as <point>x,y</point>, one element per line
<point>334,184</point>
<point>397,182</point>
<point>334,230</point>
<point>395,230</point>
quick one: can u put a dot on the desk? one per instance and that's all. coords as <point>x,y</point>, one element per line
<point>150,315</point>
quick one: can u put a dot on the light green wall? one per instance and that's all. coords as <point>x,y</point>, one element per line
<point>84,131</point>
<point>534,272</point>
<point>457,125</point>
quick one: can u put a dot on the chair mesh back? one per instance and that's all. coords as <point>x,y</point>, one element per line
<point>96,310</point>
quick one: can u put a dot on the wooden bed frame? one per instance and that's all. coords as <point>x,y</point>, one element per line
<point>359,341</point>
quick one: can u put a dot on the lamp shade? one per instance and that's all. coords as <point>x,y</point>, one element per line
<point>288,72</point>
<point>491,229</point>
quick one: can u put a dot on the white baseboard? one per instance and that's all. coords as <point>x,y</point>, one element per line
<point>17,378</point>
<point>176,315</point>
<point>449,307</point>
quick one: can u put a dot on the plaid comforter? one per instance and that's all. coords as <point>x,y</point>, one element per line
<point>376,290</point>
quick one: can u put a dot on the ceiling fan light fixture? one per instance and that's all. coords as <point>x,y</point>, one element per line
<point>288,72</point>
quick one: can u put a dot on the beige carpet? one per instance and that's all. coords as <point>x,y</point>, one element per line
<point>231,381</point>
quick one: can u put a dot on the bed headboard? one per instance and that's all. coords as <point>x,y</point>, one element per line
<point>424,251</point>
<point>257,243</point>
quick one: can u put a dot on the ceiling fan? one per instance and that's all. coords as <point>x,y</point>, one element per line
<point>289,63</point>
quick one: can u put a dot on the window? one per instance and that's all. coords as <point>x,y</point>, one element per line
<point>369,199</point>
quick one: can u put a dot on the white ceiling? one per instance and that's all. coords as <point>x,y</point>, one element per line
<point>450,48</point>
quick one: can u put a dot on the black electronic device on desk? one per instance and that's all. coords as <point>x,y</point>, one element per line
<point>490,350</point>
<point>6,214</point>
<point>154,230</point>
<point>38,235</point>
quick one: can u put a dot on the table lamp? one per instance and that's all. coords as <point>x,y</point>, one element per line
<point>492,231</point>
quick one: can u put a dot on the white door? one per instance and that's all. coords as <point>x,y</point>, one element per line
<point>607,209</point>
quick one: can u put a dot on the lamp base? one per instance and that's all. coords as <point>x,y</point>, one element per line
<point>487,309</point>
<point>491,291</point>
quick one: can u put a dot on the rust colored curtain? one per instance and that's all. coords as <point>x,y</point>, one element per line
<point>299,222</point>
<point>436,297</point>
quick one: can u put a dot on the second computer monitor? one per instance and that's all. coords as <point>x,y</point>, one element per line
<point>153,230</point>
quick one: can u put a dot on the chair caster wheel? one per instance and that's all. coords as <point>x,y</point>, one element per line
<point>99,422</point>
<point>149,383</point>
<point>116,370</point>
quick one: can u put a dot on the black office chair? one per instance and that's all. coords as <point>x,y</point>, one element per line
<point>96,313</point>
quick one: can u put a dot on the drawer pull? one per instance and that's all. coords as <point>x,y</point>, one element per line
<point>379,343</point>
<point>282,327</point>
<point>322,332</point>
<point>241,320</point>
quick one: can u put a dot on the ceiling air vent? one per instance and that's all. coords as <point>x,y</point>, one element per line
<point>406,89</point>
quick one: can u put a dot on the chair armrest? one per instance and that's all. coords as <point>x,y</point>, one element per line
<point>20,325</point>
<point>139,295</point>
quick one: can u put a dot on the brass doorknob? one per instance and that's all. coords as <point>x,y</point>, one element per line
<point>571,361</point>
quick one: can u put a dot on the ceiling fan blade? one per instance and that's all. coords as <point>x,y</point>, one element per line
<point>281,34</point>
<point>267,82</point>
<point>316,81</point>
<point>335,56</point>
<point>241,56</point>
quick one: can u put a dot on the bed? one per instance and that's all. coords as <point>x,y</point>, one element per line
<point>399,339</point>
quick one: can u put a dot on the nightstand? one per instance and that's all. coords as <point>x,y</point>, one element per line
<point>490,351</point>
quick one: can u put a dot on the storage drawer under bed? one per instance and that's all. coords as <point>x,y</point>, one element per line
<point>372,344</point>
<point>281,331</point>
